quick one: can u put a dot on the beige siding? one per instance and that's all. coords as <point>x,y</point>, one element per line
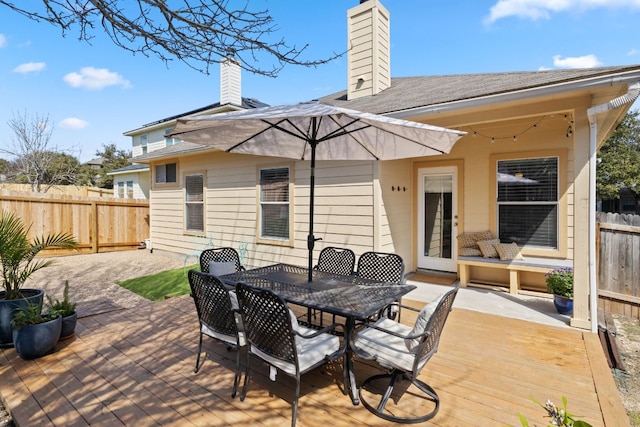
<point>368,50</point>
<point>343,215</point>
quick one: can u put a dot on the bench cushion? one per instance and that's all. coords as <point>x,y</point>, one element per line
<point>488,249</point>
<point>507,251</point>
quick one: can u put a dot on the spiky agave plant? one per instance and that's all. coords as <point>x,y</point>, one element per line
<point>18,254</point>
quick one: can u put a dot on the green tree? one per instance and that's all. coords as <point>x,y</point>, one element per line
<point>113,158</point>
<point>619,160</point>
<point>195,32</point>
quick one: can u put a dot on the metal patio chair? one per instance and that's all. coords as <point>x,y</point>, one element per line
<point>273,335</point>
<point>404,351</point>
<point>218,315</point>
<point>200,243</point>
<point>385,267</point>
<point>220,261</point>
<point>332,260</point>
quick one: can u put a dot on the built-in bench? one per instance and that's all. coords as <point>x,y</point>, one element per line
<point>529,264</point>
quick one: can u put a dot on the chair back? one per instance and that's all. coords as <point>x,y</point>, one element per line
<point>267,322</point>
<point>429,342</point>
<point>382,266</point>
<point>226,254</point>
<point>213,303</point>
<point>336,260</point>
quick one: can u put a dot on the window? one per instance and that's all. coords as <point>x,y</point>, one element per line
<point>274,203</point>
<point>143,143</point>
<point>166,173</point>
<point>194,202</point>
<point>121,190</point>
<point>130,189</point>
<point>528,202</point>
<point>168,140</point>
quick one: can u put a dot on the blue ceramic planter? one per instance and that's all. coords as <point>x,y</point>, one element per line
<point>34,341</point>
<point>8,307</point>
<point>564,305</point>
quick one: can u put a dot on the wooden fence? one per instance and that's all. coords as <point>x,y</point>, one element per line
<point>99,224</point>
<point>65,190</point>
<point>618,250</point>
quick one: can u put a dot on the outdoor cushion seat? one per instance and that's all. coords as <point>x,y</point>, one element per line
<point>218,315</point>
<point>221,259</point>
<point>404,351</point>
<point>274,336</point>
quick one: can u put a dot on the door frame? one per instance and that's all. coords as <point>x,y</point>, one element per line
<point>459,165</point>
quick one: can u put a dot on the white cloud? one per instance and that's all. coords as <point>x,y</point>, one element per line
<point>3,40</point>
<point>29,67</point>
<point>633,52</point>
<point>586,61</point>
<point>542,9</point>
<point>73,123</point>
<point>95,78</point>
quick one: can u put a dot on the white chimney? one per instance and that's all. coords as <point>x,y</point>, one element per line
<point>230,83</point>
<point>369,72</point>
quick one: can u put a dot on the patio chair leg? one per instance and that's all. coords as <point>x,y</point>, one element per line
<point>295,403</point>
<point>243,393</point>
<point>198,356</point>
<point>236,378</point>
<point>395,376</point>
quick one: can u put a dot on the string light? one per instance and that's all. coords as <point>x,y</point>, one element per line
<point>514,138</point>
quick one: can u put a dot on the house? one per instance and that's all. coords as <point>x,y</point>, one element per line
<point>134,180</point>
<point>131,182</point>
<point>524,174</point>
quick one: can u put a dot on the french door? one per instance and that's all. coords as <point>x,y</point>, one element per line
<point>437,218</point>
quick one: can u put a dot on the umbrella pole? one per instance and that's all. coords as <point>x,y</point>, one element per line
<point>311,240</point>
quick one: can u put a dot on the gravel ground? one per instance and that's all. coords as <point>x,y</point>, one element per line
<point>92,278</point>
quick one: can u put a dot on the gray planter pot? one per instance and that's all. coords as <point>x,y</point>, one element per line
<point>34,341</point>
<point>8,307</point>
<point>68,325</point>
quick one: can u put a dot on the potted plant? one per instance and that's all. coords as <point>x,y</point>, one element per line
<point>17,263</point>
<point>35,334</point>
<point>66,309</point>
<point>560,284</point>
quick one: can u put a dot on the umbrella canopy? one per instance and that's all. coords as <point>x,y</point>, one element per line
<point>312,131</point>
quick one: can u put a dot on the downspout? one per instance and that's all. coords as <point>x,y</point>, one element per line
<point>628,98</point>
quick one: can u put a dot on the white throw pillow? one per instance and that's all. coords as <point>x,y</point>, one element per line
<point>221,268</point>
<point>421,323</point>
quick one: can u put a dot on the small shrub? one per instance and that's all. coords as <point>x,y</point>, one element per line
<point>63,307</point>
<point>560,282</point>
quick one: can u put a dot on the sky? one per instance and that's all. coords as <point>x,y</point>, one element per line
<point>93,93</point>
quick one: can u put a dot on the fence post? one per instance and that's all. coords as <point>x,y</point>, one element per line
<point>95,228</point>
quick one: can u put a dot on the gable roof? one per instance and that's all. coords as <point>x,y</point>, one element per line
<point>415,92</point>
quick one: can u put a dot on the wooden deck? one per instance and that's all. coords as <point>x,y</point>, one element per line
<point>135,367</point>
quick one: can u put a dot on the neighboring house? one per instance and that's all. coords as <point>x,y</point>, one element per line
<point>525,171</point>
<point>131,182</point>
<point>152,137</point>
<point>96,164</point>
<point>627,203</point>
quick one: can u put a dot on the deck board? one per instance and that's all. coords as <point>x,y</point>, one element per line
<point>135,367</point>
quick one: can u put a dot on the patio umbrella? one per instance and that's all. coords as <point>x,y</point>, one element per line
<point>313,131</point>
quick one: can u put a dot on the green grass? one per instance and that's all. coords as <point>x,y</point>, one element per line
<point>155,287</point>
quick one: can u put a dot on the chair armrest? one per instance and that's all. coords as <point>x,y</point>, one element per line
<point>324,330</point>
<point>395,334</point>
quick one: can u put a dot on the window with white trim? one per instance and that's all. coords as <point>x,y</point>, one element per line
<point>166,173</point>
<point>168,141</point>
<point>274,203</point>
<point>528,202</point>
<point>130,189</point>
<point>144,139</point>
<point>121,189</point>
<point>194,202</point>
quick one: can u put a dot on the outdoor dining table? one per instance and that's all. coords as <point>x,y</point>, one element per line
<point>351,297</point>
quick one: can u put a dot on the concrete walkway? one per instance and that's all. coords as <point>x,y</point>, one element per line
<point>499,302</point>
